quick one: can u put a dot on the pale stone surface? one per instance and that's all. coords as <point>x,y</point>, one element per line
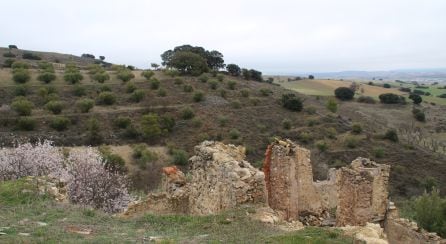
<point>362,192</point>
<point>370,233</point>
<point>402,231</point>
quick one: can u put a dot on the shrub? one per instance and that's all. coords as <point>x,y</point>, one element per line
<point>143,155</point>
<point>198,96</point>
<point>122,122</point>
<point>46,77</point>
<point>178,81</point>
<point>21,75</point>
<point>286,124</point>
<point>332,106</point>
<point>419,115</point>
<point>236,104</point>
<point>390,98</point>
<point>356,128</point>
<point>147,74</point>
<point>125,75</point>
<point>179,157</point>
<point>54,106</point>
<point>231,85</point>
<point>101,77</point>
<point>137,96</point>
<point>20,90</point>
<point>72,74</point>
<point>131,87</point>
<point>378,152</point>
<point>91,184</point>
<point>85,105</point>
<point>22,106</point>
<point>104,88</point>
<point>351,142</point>
<point>291,102</point>
<point>154,84</point>
<point>172,72</point>
<point>187,113</point>
<point>366,99</point>
<point>167,123</point>
<point>385,85</point>
<point>244,93</point>
<point>331,132</point>
<point>405,89</point>
<point>213,84</point>
<point>391,135</point>
<point>305,137</point>
<point>415,98</point>
<point>310,110</point>
<point>223,93</point>
<point>9,55</point>
<point>26,123</point>
<point>150,126</point>
<point>19,65</point>
<point>94,131</point>
<point>322,146</point>
<point>222,120</point>
<point>418,92</point>
<point>220,77</point>
<point>79,91</point>
<point>188,88</point>
<point>234,134</point>
<point>233,69</point>
<point>106,98</point>
<point>32,56</point>
<point>162,93</point>
<point>59,123</point>
<point>112,162</point>
<point>8,63</point>
<point>265,92</point>
<point>344,93</point>
<point>203,78</point>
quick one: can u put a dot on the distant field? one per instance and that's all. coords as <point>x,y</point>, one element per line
<point>327,87</point>
<point>433,89</point>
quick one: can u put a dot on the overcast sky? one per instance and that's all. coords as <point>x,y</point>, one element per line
<point>276,36</point>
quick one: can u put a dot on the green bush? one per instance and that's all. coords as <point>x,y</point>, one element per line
<point>72,74</point>
<point>244,93</point>
<point>22,106</point>
<point>305,137</point>
<point>385,85</point>
<point>419,115</point>
<point>122,122</point>
<point>178,81</point>
<point>19,65</point>
<point>220,77</point>
<point>390,98</point>
<point>179,157</point>
<point>344,93</point>
<point>60,123</point>
<point>85,105</point>
<point>331,132</point>
<point>162,93</point>
<point>101,77</point>
<point>222,120</point>
<point>351,142</point>
<point>79,91</point>
<point>104,88</point>
<point>286,124</point>
<point>131,87</point>
<point>187,113</point>
<point>196,122</point>
<point>231,85</point>
<point>265,92</point>
<point>234,134</point>
<point>9,55</point>
<point>188,88</point>
<point>213,84</point>
<point>143,156</point>
<point>21,90</point>
<point>310,110</point>
<point>147,74</point>
<point>106,98</point>
<point>391,135</point>
<point>236,104</point>
<point>125,75</point>
<point>171,72</point>
<point>223,93</point>
<point>203,78</point>
<point>112,162</point>
<point>198,96</point>
<point>322,146</point>
<point>94,132</point>
<point>8,63</point>
<point>356,128</point>
<point>167,123</point>
<point>154,84</point>
<point>46,77</point>
<point>54,106</point>
<point>150,126</point>
<point>378,152</point>
<point>26,124</point>
<point>332,106</point>
<point>31,56</point>
<point>137,96</point>
<point>291,102</point>
<point>21,75</point>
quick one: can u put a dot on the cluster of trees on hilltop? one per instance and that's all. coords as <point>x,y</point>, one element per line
<point>195,60</point>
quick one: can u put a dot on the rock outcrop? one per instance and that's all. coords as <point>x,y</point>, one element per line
<point>362,192</point>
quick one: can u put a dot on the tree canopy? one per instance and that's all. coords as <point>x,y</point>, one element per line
<point>213,59</point>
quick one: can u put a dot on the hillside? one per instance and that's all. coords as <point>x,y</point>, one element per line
<point>247,113</point>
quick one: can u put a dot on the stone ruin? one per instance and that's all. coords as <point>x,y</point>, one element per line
<point>220,178</point>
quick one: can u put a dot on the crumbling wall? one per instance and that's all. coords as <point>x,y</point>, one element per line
<point>290,180</point>
<point>221,179</point>
<point>362,192</point>
<point>328,190</point>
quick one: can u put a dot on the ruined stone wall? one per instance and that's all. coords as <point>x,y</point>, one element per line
<point>362,192</point>
<point>328,190</point>
<point>290,180</point>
